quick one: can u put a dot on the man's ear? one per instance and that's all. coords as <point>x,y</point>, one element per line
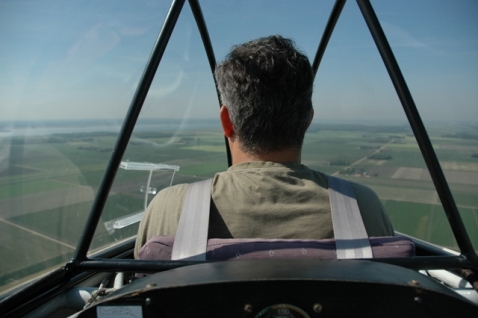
<point>311,117</point>
<point>226,123</point>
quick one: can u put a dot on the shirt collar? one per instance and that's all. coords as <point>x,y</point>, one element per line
<point>265,164</point>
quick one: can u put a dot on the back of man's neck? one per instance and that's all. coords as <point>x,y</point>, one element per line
<point>283,156</point>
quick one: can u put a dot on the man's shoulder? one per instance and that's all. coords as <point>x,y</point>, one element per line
<point>162,215</point>
<point>166,205</point>
<point>364,192</point>
<point>373,212</point>
<point>174,189</point>
<point>169,194</point>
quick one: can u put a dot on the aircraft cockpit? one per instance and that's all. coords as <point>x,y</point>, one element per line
<point>104,104</point>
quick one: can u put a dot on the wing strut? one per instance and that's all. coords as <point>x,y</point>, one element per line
<point>329,28</point>
<point>206,40</point>
<point>127,130</point>
<point>419,130</point>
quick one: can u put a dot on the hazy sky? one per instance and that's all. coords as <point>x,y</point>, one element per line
<point>83,59</point>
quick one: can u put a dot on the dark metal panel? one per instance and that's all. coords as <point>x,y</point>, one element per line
<point>127,129</point>
<point>285,269</point>
<point>116,265</point>
<point>25,294</point>
<point>419,130</point>
<point>341,288</point>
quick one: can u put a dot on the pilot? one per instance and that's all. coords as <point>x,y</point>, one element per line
<point>266,90</point>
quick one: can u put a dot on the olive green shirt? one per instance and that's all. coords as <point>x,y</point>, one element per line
<point>264,200</point>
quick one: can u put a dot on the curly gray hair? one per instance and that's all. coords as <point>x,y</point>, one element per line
<point>267,85</point>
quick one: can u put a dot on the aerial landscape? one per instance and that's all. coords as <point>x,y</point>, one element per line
<point>47,191</point>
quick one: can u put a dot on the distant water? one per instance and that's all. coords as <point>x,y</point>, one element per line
<point>69,127</point>
<point>46,131</point>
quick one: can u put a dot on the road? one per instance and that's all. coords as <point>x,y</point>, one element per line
<point>362,159</point>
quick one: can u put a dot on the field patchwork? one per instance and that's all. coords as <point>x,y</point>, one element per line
<point>46,196</point>
<point>462,166</point>
<point>452,176</point>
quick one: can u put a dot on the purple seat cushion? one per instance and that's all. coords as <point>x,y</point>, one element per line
<point>160,248</point>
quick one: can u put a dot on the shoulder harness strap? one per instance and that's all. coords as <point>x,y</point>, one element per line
<point>351,239</point>
<point>350,235</point>
<point>191,236</point>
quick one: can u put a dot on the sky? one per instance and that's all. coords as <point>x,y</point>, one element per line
<point>84,59</point>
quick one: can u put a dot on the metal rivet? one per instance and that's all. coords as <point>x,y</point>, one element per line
<point>418,300</point>
<point>317,308</point>
<point>414,283</point>
<point>248,308</point>
<point>150,285</point>
<point>147,301</point>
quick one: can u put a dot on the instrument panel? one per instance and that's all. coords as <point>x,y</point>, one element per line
<point>283,289</point>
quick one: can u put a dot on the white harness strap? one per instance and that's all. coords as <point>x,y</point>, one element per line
<point>351,238</point>
<point>191,236</point>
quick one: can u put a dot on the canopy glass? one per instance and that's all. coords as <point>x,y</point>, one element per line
<point>68,72</point>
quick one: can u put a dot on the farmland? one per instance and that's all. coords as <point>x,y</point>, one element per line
<point>48,187</point>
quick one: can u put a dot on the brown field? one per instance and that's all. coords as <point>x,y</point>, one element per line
<point>407,194</point>
<point>382,171</point>
<point>410,173</point>
<point>464,166</point>
<point>376,162</point>
<point>452,176</point>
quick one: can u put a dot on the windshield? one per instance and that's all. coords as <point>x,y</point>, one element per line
<point>69,72</point>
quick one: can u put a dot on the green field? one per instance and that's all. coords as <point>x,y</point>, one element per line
<point>47,191</point>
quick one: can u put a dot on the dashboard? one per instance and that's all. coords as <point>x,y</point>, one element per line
<point>284,288</point>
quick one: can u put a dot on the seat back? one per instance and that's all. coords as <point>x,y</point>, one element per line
<point>160,248</point>
<point>351,240</point>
